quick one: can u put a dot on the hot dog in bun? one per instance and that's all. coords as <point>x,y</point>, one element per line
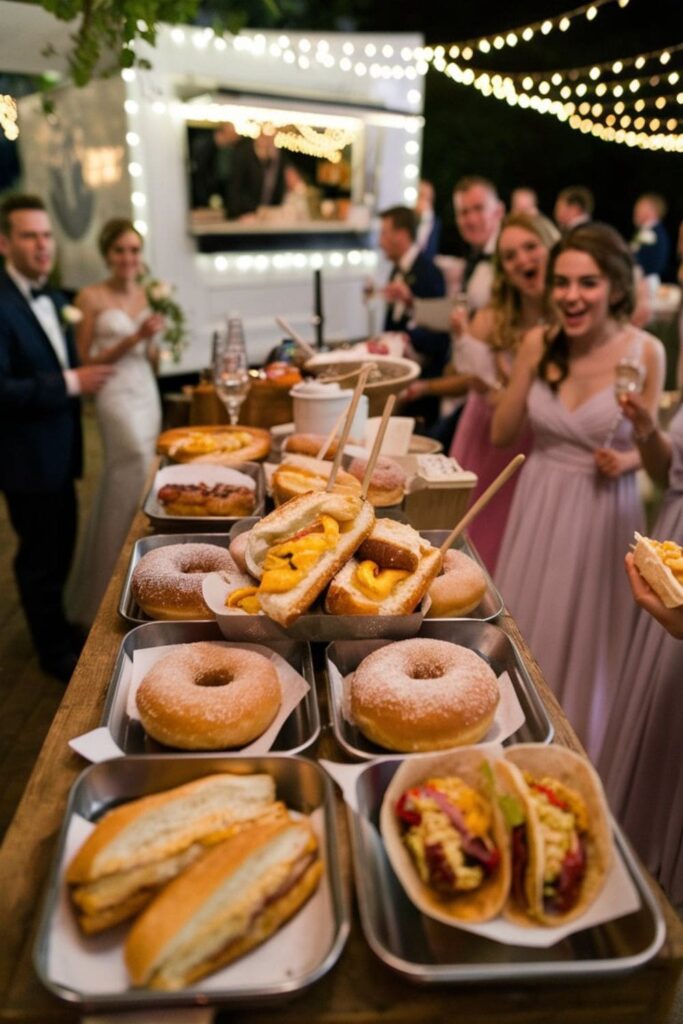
<point>562,852</point>
<point>660,563</point>
<point>296,550</point>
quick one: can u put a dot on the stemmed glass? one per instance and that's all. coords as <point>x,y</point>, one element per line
<point>231,378</point>
<point>629,379</point>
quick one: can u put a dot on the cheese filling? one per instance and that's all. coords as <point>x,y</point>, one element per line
<point>286,564</point>
<point>375,583</point>
<point>246,598</point>
<point>671,554</point>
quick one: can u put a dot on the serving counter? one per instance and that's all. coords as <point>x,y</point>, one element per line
<point>359,989</point>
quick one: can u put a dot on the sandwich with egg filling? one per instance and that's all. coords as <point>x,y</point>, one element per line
<point>445,836</point>
<point>660,563</point>
<point>296,550</point>
<point>223,445</point>
<point>562,852</point>
<point>230,901</point>
<point>389,575</point>
<point>299,474</point>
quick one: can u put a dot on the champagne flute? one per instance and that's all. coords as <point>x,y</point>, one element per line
<point>231,378</point>
<point>629,379</point>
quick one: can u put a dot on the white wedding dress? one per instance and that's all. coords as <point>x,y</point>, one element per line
<point>129,418</point>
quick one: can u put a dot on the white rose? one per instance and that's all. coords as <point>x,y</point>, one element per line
<point>159,290</point>
<point>71,315</point>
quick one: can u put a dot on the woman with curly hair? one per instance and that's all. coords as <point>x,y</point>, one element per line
<point>485,352</point>
<point>577,504</point>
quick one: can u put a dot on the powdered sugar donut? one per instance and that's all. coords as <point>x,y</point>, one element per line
<point>387,483</point>
<point>206,697</point>
<point>423,695</point>
<point>459,589</point>
<point>167,581</point>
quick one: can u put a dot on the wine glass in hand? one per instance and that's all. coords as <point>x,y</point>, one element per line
<point>629,378</point>
<point>231,378</point>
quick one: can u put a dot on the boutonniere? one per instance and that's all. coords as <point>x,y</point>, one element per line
<point>646,236</point>
<point>160,298</point>
<point>71,315</point>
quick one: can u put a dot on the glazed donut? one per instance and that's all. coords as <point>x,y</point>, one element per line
<point>423,695</point>
<point>237,548</point>
<point>167,581</point>
<point>205,697</point>
<point>387,483</point>
<point>459,589</point>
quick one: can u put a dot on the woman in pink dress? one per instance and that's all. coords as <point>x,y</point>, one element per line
<point>577,503</point>
<point>641,763</point>
<point>485,351</point>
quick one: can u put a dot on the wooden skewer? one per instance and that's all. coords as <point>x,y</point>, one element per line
<point>482,501</point>
<point>377,446</point>
<point>350,413</point>
<point>295,336</point>
<point>332,434</point>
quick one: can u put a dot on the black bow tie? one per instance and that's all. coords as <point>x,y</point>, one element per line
<point>38,293</point>
<point>472,262</point>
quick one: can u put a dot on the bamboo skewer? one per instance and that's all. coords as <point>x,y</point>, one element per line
<point>295,336</point>
<point>482,501</point>
<point>350,413</point>
<point>379,437</point>
<point>332,434</point>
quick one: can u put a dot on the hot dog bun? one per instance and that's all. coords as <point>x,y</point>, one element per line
<point>309,444</point>
<point>354,518</point>
<point>379,585</point>
<point>660,563</point>
<point>139,846</point>
<point>299,474</point>
<point>233,899</point>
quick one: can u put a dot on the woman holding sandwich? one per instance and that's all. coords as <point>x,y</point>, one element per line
<point>577,503</point>
<point>641,762</point>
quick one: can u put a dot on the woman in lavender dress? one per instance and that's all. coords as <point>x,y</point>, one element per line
<point>641,763</point>
<point>577,504</point>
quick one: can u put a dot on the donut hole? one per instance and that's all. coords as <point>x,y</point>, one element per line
<point>214,677</point>
<point>425,670</point>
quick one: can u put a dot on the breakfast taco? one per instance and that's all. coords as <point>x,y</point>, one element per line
<point>562,851</point>
<point>445,835</point>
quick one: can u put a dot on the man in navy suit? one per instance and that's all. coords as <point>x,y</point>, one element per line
<point>40,429</point>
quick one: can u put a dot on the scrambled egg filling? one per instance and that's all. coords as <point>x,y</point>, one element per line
<point>671,554</point>
<point>245,598</point>
<point>199,443</point>
<point>435,831</point>
<point>377,583</point>
<point>561,817</point>
<point>286,564</point>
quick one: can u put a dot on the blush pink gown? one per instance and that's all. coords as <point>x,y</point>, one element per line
<point>641,761</point>
<point>561,570</point>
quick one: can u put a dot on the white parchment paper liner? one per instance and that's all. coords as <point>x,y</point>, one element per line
<point>99,745</point>
<point>508,719</point>
<point>94,965</point>
<point>618,897</point>
<point>206,472</point>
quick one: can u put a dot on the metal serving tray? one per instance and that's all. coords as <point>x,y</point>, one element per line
<point>161,520</point>
<point>491,605</point>
<point>129,609</point>
<point>487,640</point>
<point>298,733</point>
<point>300,783</point>
<point>427,952</point>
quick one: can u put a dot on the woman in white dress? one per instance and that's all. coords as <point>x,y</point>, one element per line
<point>117,327</point>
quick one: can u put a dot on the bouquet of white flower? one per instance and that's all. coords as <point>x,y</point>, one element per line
<point>160,298</point>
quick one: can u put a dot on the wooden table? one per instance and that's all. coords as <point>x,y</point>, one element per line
<point>359,989</point>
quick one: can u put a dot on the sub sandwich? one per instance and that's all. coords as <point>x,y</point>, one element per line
<point>296,550</point>
<point>562,851</point>
<point>446,837</point>
<point>660,563</point>
<point>233,899</point>
<point>138,847</point>
<point>389,575</point>
<point>299,474</point>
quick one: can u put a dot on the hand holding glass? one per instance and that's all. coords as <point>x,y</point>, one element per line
<point>231,377</point>
<point>629,379</point>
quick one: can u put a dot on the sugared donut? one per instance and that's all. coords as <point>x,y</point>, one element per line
<point>459,589</point>
<point>423,695</point>
<point>387,483</point>
<point>167,581</point>
<point>206,697</point>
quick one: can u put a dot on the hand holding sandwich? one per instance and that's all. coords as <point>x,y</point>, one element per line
<point>670,618</point>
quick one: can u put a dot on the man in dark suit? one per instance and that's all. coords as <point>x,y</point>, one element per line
<point>413,276</point>
<point>257,177</point>
<point>40,430</point>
